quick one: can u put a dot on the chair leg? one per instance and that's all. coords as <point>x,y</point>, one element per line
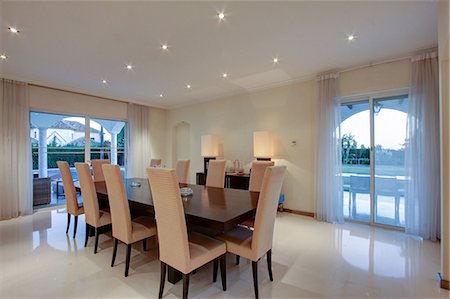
<point>68,223</point>
<point>163,279</point>
<point>75,227</point>
<point>185,285</point>
<point>215,267</point>
<point>116,241</point>
<point>127,261</point>
<point>144,244</point>
<point>87,235</point>
<point>255,278</point>
<point>96,240</point>
<point>223,271</point>
<point>269,263</point>
<point>237,259</point>
<point>353,204</point>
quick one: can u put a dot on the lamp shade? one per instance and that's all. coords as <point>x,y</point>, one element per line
<point>210,146</point>
<point>262,144</point>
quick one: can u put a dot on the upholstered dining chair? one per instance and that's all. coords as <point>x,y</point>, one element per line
<point>178,249</point>
<point>183,171</point>
<point>97,169</point>
<point>254,244</point>
<point>257,174</point>
<point>95,218</point>
<point>216,173</point>
<point>155,163</point>
<point>72,205</point>
<point>256,179</point>
<point>123,228</point>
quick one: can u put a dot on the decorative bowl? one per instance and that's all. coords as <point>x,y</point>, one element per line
<point>185,191</point>
<point>135,184</point>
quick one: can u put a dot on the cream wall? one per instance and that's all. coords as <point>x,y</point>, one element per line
<point>377,78</point>
<point>158,133</point>
<point>290,113</point>
<point>57,101</point>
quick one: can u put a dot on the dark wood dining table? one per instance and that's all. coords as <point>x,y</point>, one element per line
<point>218,209</point>
<point>209,209</point>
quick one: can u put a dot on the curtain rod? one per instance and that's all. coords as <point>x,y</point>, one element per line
<point>375,63</point>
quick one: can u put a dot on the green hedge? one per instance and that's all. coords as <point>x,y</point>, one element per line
<point>74,154</point>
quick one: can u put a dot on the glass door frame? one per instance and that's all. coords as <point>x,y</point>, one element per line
<point>363,98</point>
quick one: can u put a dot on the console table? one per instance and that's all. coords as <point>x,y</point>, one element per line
<point>232,180</point>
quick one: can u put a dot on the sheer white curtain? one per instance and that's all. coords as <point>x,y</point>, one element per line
<point>329,205</point>
<point>138,149</point>
<point>16,182</point>
<point>422,198</point>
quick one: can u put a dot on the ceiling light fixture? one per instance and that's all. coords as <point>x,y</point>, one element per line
<point>275,60</point>
<point>3,56</point>
<point>224,75</point>
<point>351,37</point>
<point>165,47</point>
<point>221,15</point>
<point>13,30</point>
<point>129,67</point>
<point>188,86</point>
<point>104,81</point>
<point>161,95</point>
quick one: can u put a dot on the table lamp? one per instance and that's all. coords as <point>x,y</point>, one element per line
<point>210,149</point>
<point>262,145</point>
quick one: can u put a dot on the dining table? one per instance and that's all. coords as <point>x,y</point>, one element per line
<point>208,210</point>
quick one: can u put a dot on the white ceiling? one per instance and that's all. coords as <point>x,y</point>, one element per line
<point>74,45</point>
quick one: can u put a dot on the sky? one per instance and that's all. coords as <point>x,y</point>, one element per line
<point>390,128</point>
<point>94,125</point>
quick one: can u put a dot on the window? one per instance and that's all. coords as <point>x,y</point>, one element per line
<point>58,137</point>
<point>373,136</point>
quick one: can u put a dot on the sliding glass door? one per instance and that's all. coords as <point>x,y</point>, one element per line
<point>57,137</point>
<point>373,134</point>
<point>108,140</point>
<point>355,139</point>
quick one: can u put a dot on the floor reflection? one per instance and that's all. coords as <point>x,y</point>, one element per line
<point>310,260</point>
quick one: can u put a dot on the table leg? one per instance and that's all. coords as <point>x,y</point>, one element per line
<point>173,275</point>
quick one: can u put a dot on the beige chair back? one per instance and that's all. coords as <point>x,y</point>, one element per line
<point>257,174</point>
<point>170,219</point>
<point>97,169</point>
<point>118,203</point>
<point>267,209</point>
<point>155,163</point>
<point>183,171</point>
<point>69,187</point>
<point>90,200</point>
<point>216,173</point>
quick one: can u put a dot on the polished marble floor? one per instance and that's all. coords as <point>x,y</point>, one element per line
<point>310,260</point>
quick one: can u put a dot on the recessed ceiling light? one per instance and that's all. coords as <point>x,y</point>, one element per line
<point>351,37</point>
<point>13,30</point>
<point>188,86</point>
<point>275,60</point>
<point>224,75</point>
<point>221,15</point>
<point>129,67</point>
<point>165,47</point>
<point>104,81</point>
<point>3,56</point>
<point>161,95</point>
